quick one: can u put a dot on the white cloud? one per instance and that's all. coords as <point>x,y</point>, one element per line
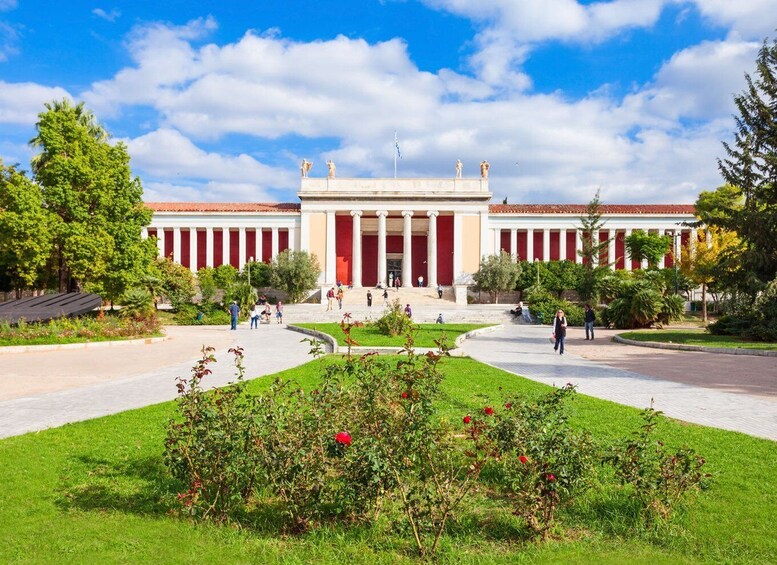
<point>21,102</point>
<point>7,5</point>
<point>754,19</point>
<point>111,16</point>
<point>171,158</point>
<point>636,148</point>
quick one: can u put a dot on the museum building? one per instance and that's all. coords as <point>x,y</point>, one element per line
<point>370,230</point>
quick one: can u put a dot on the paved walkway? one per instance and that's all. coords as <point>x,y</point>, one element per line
<point>69,386</point>
<point>526,351</point>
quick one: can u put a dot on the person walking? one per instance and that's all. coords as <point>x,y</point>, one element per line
<point>420,281</point>
<point>330,298</point>
<point>385,297</point>
<point>590,319</point>
<point>369,299</point>
<point>340,295</point>
<point>408,311</point>
<point>279,312</point>
<point>234,312</point>
<point>559,331</point>
<point>439,291</point>
<point>254,317</point>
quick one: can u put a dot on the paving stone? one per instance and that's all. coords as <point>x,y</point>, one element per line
<point>527,351</point>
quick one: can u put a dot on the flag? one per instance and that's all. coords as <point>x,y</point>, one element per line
<point>396,144</point>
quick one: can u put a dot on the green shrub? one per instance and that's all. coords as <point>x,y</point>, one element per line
<point>547,308</point>
<point>660,478</point>
<point>542,462</point>
<point>208,448</point>
<point>137,302</point>
<point>394,321</point>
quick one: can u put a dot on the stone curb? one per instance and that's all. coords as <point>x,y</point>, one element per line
<point>702,348</point>
<point>8,349</point>
<point>390,350</point>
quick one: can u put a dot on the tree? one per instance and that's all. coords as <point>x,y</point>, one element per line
<point>705,262</point>
<point>714,207</point>
<point>87,184</point>
<point>260,274</point>
<point>295,272</point>
<point>650,247</point>
<point>559,276</point>
<point>177,282</point>
<point>25,229</point>
<point>497,273</point>
<point>591,248</point>
<point>751,166</point>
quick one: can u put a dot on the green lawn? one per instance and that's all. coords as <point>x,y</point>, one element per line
<point>696,337</point>
<point>425,334</point>
<point>97,491</point>
<point>58,340</point>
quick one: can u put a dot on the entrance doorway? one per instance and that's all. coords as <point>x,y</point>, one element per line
<point>393,270</point>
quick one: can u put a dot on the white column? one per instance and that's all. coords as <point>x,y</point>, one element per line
<point>160,241</point>
<point>177,245</point>
<point>193,250</point>
<point>497,241</point>
<point>594,243</point>
<point>274,243</point>
<point>662,261</point>
<point>258,245</point>
<point>225,241</point>
<point>382,246</point>
<point>356,259</point>
<point>209,247</point>
<point>241,260</point>
<point>293,239</point>
<point>304,232</point>
<point>431,249</point>
<point>626,258</point>
<point>562,245</point>
<point>514,244</point>
<point>407,248</point>
<point>331,255</point>
<point>530,245</point>
<point>611,259</point>
<point>546,245</point>
<point>144,233</point>
<point>578,246</point>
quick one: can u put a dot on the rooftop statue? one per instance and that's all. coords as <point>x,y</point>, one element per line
<point>458,168</point>
<point>332,168</point>
<point>305,168</point>
<point>484,166</point>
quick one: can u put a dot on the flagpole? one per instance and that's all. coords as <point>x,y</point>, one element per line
<point>395,153</point>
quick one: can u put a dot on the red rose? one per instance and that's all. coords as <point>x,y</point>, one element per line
<point>488,410</point>
<point>343,438</point>
<point>508,406</point>
<point>551,477</point>
<point>404,394</point>
<point>523,459</point>
<point>467,419</point>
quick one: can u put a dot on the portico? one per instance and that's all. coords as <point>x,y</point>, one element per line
<point>373,231</point>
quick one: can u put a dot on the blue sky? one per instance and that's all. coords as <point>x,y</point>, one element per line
<point>220,101</point>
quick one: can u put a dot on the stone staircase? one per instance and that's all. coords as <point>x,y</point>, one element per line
<point>423,302</point>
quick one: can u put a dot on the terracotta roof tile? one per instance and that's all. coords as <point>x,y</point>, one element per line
<point>579,209</point>
<point>223,206</point>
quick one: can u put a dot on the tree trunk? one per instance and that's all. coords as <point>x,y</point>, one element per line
<point>704,302</point>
